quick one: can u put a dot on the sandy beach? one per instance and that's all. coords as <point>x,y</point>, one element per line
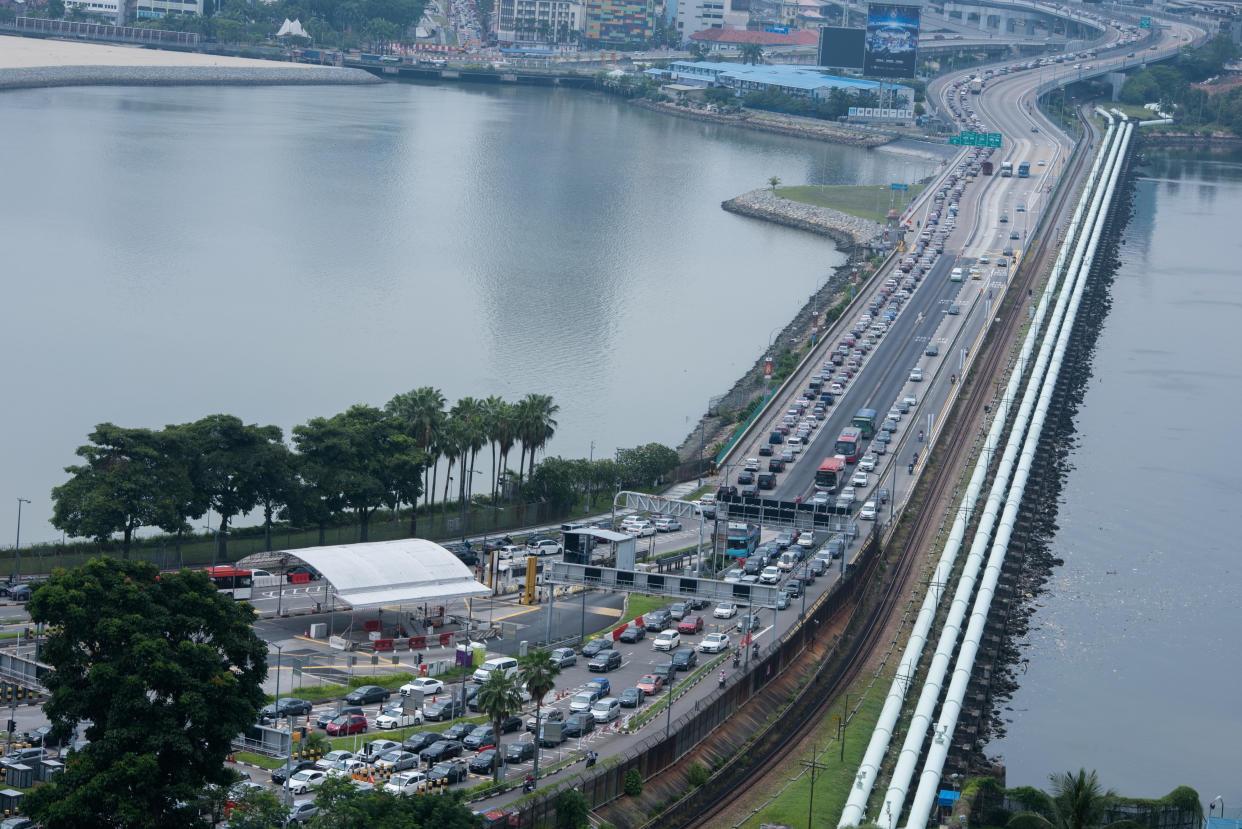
<point>30,52</point>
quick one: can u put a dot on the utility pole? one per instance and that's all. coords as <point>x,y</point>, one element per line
<point>814,766</point>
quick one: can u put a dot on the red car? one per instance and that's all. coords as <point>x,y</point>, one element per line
<point>650,684</point>
<point>690,624</point>
<point>347,724</point>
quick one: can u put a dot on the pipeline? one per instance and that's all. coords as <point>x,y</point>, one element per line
<point>933,767</point>
<point>855,806</point>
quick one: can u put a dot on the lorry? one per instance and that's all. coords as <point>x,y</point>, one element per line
<point>976,85</point>
<point>986,168</point>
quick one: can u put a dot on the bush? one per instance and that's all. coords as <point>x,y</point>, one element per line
<point>634,783</point>
<point>698,774</point>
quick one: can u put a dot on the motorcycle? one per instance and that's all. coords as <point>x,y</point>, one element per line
<point>528,785</point>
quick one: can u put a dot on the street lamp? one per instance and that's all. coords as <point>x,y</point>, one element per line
<point>17,547</point>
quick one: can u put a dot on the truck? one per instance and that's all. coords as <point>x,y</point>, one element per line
<point>986,168</point>
<point>976,85</point>
<point>1024,169</point>
<point>1006,169</point>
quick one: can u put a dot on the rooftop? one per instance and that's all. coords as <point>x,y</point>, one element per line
<point>797,37</point>
<point>788,75</point>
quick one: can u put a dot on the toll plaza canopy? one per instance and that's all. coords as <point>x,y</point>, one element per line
<point>405,571</point>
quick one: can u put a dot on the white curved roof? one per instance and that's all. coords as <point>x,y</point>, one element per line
<point>405,571</point>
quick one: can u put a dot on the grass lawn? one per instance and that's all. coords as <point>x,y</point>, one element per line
<point>640,605</point>
<point>832,786</point>
<point>870,201</point>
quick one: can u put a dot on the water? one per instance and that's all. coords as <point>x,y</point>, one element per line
<point>1133,665</point>
<point>284,253</point>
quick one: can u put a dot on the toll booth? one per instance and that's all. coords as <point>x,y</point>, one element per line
<point>592,545</point>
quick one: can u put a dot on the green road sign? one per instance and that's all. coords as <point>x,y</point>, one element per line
<point>955,140</point>
<point>896,186</point>
<point>1144,22</point>
<point>994,139</point>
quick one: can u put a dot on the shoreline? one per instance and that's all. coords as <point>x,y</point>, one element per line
<point>803,128</point>
<point>43,77</point>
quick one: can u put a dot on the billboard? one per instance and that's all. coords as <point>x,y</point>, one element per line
<point>841,48</point>
<point>892,41</point>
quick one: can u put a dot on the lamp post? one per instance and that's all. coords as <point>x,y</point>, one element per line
<point>17,547</point>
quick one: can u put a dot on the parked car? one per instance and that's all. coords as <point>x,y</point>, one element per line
<point>690,624</point>
<point>448,773</point>
<point>632,697</point>
<point>330,759</point>
<point>484,762</point>
<point>519,752</point>
<point>282,773</point>
<point>420,740</point>
<point>406,783</point>
<point>714,643</point>
<point>605,661</point>
<point>725,610</point>
<point>300,811</point>
<point>367,694</point>
<point>685,659</point>
<point>328,716</point>
<point>650,684</point>
<point>632,633</point>
<point>444,709</point>
<point>667,640</point>
<point>347,724</point>
<point>564,657</point>
<point>285,707</point>
<point>306,779</point>
<point>397,759</point>
<point>394,717</point>
<point>440,751</point>
<point>549,715</point>
<point>428,685</point>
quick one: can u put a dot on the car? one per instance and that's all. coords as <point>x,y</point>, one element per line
<point>300,811</point>
<point>420,740</point>
<point>519,751</point>
<point>665,671</point>
<point>1004,217</point>
<point>685,659</point>
<point>394,717</point>
<point>580,724</point>
<point>632,697</point>
<point>690,624</point>
<point>606,709</point>
<point>482,736</point>
<point>835,546</point>
<point>916,375</point>
<point>605,661</point>
<point>714,643</point>
<point>593,648</point>
<point>749,622</point>
<point>633,633</point>
<point>1034,128</point>
<point>347,724</point>
<point>332,758</point>
<point>549,715</point>
<point>1043,163</point>
<point>484,762</point>
<point>448,773</point>
<point>792,588</point>
<point>805,542</point>
<point>667,525</point>
<point>444,709</point>
<point>542,547</point>
<point>285,707</point>
<point>751,464</point>
<point>600,685</point>
<point>398,759</point>
<point>725,610</point>
<point>582,701</point>
<point>954,310</point>
<point>667,640</point>
<point>306,779</point>
<point>932,350</point>
<point>770,575</point>
<point>564,657</point>
<point>282,772</point>
<point>911,400</point>
<point>776,437</point>
<point>782,601</point>
<point>440,751</point>
<point>642,530</point>
<point>860,479</point>
<point>678,610</point>
<point>303,570</point>
<point>424,684</point>
<point>367,694</point>
<point>650,684</point>
<point>867,462</point>
<point>407,782</point>
<point>789,456</point>
<point>658,619</point>
<point>508,552</point>
<point>867,513</point>
<point>746,478</point>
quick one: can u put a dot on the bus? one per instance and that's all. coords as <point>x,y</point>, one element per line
<point>829,473</point>
<point>849,444</point>
<point>865,420</point>
<point>237,583</point>
<point>1006,169</point>
<point>1024,169</point>
<point>742,539</point>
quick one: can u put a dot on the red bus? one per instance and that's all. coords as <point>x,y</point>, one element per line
<point>237,583</point>
<point>829,473</point>
<point>849,444</point>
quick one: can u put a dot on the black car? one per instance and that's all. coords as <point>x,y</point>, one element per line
<point>633,633</point>
<point>631,697</point>
<point>289,769</point>
<point>448,773</point>
<point>458,731</point>
<point>750,493</point>
<point>593,647</point>
<point>751,622</point>
<point>606,661</point>
<point>549,715</point>
<point>580,724</point>
<point>420,740</point>
<point>836,547</point>
<point>792,588</point>
<point>664,670</point>
<point>331,714</point>
<point>765,450</point>
<point>484,762</point>
<point>519,752</point>
<point>745,477</point>
<point>286,707</point>
<point>482,735</point>
<point>776,465</point>
<point>367,694</point>
<point>445,709</point>
<point>440,751</point>
<point>685,659</point>
<point>658,619</point>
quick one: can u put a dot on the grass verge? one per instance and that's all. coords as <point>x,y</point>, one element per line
<point>866,201</point>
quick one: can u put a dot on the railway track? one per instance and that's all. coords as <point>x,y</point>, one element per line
<point>935,491</point>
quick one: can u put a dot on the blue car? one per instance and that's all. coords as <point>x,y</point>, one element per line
<point>600,686</point>
<point>776,437</point>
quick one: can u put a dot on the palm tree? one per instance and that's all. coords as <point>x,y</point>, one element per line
<point>470,416</point>
<point>698,51</point>
<point>494,415</point>
<point>500,697</point>
<point>1078,802</point>
<point>421,415</point>
<point>450,445</point>
<point>538,423</point>
<point>751,53</point>
<point>536,672</point>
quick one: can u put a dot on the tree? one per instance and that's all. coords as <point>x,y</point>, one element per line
<point>420,414</point>
<point>537,673</point>
<point>698,51</point>
<point>571,809</point>
<point>774,182</point>
<point>343,806</point>
<point>55,9</point>
<point>1078,802</point>
<point>225,473</point>
<point>258,809</point>
<point>751,53</point>
<point>166,669</point>
<point>121,487</point>
<point>500,697</point>
<point>536,424</point>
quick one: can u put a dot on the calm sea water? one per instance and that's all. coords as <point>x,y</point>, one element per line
<point>1134,651</point>
<point>284,253</point>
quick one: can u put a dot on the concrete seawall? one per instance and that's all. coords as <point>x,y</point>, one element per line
<point>782,125</point>
<point>846,230</point>
<point>275,75</point>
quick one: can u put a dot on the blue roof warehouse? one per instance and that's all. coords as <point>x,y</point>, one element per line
<point>798,81</point>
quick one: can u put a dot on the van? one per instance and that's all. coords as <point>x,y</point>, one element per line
<point>507,664</point>
<point>766,480</point>
<point>956,275</point>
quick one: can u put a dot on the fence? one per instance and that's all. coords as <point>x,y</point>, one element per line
<point>102,31</point>
<point>690,727</point>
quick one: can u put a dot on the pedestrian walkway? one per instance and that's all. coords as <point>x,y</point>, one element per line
<point>680,491</point>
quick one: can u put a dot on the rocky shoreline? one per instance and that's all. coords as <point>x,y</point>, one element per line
<point>276,75</point>
<point>801,128</point>
<point>846,230</point>
<point>1169,140</point>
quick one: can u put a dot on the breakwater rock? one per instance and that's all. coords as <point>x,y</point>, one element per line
<point>44,76</point>
<point>770,122</point>
<point>846,230</point>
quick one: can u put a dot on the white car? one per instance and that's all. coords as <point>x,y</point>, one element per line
<point>667,525</point>
<point>916,375</point>
<point>332,758</point>
<point>911,400</point>
<point>849,492</point>
<point>306,779</point>
<point>425,684</point>
<point>751,465</point>
<point>510,551</point>
<point>581,702</point>
<point>641,529</point>
<point>867,513</point>
<point>406,782</point>
<point>346,768</point>
<point>867,462</point>
<point>714,643</point>
<point>786,562</point>
<point>543,547</point>
<point>770,575</point>
<point>394,717</point>
<point>733,575</point>
<point>667,640</point>
<point>725,610</point>
<point>806,541</point>
<point>794,444</point>
<point>860,479</point>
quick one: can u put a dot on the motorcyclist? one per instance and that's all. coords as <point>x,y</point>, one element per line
<point>722,679</point>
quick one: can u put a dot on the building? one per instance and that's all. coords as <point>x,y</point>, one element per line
<point>619,22</point>
<point>537,21</point>
<point>698,15</point>
<point>797,81</point>
<point>720,39</point>
<point>111,9</point>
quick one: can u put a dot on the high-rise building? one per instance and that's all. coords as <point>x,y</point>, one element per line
<point>537,21</point>
<point>619,22</point>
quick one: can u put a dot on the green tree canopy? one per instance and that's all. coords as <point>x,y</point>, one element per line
<point>500,697</point>
<point>344,806</point>
<point>167,671</point>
